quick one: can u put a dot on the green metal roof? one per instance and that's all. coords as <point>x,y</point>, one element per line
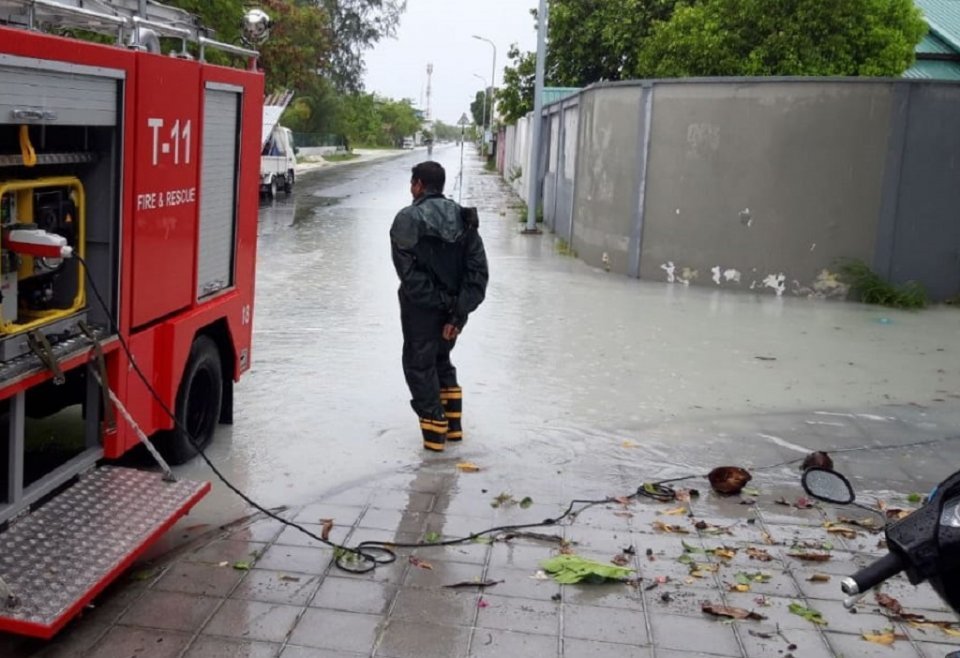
<point>934,70</point>
<point>935,45</point>
<point>943,17</point>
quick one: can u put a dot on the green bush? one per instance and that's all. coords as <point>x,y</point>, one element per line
<point>873,289</point>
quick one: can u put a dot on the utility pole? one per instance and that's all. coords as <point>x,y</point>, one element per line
<point>533,172</point>
<point>429,77</point>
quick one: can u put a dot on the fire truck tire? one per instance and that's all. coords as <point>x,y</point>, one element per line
<point>198,403</point>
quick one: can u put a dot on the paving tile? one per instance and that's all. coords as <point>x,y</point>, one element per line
<point>515,555</point>
<point>170,611</point>
<point>114,602</point>
<point>79,636</point>
<point>521,583</point>
<point>762,641</point>
<point>521,615</point>
<point>291,536</point>
<point>470,503</point>
<point>603,595</point>
<point>495,643</point>
<point>199,578</point>
<point>352,595</point>
<point>608,542</point>
<point>592,649</point>
<point>780,582</point>
<point>604,624</point>
<point>261,530</point>
<point>931,650</point>
<point>298,559</point>
<point>450,526</point>
<point>776,609</point>
<point>861,618</point>
<point>124,642</point>
<point>690,634</point>
<point>253,620</point>
<point>854,646</point>
<point>393,520</point>
<point>276,587</point>
<point>680,599</point>
<point>436,606</point>
<point>291,651</point>
<point>218,647</point>
<point>341,514</point>
<point>226,550</point>
<point>403,639</point>
<point>442,573</point>
<point>670,653</point>
<point>409,501</point>
<point>340,631</point>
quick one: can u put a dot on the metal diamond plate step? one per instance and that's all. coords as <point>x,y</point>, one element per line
<point>61,556</point>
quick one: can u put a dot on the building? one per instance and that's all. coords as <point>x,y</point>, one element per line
<point>938,55</point>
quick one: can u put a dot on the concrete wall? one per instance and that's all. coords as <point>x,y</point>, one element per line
<point>759,184</point>
<point>775,181</point>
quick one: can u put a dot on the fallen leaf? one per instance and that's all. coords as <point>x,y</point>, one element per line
<point>327,527</point>
<point>885,638</point>
<point>819,578</point>
<point>745,578</point>
<point>242,566</point>
<point>422,564</point>
<point>896,513</point>
<point>468,467</point>
<point>888,602</point>
<point>915,498</point>
<point>711,529</point>
<point>724,553</point>
<point>474,583</point>
<point>432,537</point>
<point>624,514</point>
<point>662,580</point>
<point>769,540</point>
<point>843,531</point>
<point>782,501</point>
<point>620,560</point>
<point>289,579</point>
<point>678,511</point>
<point>629,444</point>
<point>664,527</point>
<point>867,524</point>
<point>740,587</point>
<point>810,557</point>
<point>758,554</point>
<point>570,569</point>
<point>750,491</point>
<point>762,636</point>
<point>482,603</point>
<point>730,612</point>
<point>809,614</point>
<point>526,502</point>
<point>804,503</point>
<point>689,548</point>
<point>502,500</point>
<point>623,500</point>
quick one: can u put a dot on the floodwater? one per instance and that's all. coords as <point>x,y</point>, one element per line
<point>563,367</point>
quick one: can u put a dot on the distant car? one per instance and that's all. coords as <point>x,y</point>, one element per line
<point>408,142</point>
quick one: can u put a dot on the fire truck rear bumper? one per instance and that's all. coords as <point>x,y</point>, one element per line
<point>57,559</point>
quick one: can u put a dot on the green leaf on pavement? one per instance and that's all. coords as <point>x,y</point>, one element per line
<point>432,537</point>
<point>915,498</point>
<point>526,502</point>
<point>809,614</point>
<point>750,491</point>
<point>570,569</point>
<point>242,566</point>
<point>687,548</point>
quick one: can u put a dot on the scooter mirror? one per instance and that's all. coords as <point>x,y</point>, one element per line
<point>827,485</point>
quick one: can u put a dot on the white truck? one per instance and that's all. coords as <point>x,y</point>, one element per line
<point>278,159</point>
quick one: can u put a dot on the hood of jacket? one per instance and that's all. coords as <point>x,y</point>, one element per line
<point>440,216</point>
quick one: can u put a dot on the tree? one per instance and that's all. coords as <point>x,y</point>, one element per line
<point>515,96</point>
<point>444,131</point>
<point>790,37</point>
<point>478,108</point>
<point>597,39</point>
<point>357,26</point>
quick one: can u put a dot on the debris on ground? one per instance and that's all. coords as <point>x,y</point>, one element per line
<point>474,583</point>
<point>810,556</point>
<point>885,637</point>
<point>819,578</point>
<point>325,530</point>
<point>467,467</point>
<point>758,554</point>
<point>417,562</point>
<point>809,614</point>
<point>570,569</point>
<point>730,612</point>
<point>672,529</point>
<point>818,459</point>
<point>729,480</point>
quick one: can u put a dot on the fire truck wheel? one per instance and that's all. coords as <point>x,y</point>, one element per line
<point>198,403</point>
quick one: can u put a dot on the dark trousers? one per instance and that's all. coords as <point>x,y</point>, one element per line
<point>426,358</point>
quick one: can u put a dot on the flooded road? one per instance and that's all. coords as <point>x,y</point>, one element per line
<point>561,367</point>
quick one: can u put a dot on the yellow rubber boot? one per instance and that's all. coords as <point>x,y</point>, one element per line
<point>452,401</point>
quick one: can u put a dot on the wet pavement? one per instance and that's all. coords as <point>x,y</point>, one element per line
<point>578,384</point>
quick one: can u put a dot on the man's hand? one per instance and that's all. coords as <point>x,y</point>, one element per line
<point>450,331</point>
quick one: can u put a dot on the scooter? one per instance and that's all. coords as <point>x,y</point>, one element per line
<point>925,544</point>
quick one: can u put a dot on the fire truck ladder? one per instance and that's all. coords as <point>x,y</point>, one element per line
<point>138,23</point>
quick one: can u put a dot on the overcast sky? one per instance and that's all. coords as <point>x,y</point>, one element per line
<point>439,31</point>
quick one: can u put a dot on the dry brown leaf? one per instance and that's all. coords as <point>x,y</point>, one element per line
<point>769,540</point>
<point>885,638</point>
<point>866,524</point>
<point>629,444</point>
<point>724,553</point>
<point>819,578</point>
<point>620,560</point>
<point>474,583</point>
<point>739,588</point>
<point>810,557</point>
<point>623,500</point>
<point>952,632</point>
<point>888,602</point>
<point>327,527</point>
<point>468,467</point>
<point>843,531</point>
<point>730,612</point>
<point>677,511</point>
<point>666,527</point>
<point>417,562</point>
<point>758,554</point>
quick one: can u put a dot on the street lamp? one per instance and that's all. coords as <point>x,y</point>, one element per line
<point>493,77</point>
<point>484,123</point>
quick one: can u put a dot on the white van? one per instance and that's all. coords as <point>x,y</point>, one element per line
<point>278,162</point>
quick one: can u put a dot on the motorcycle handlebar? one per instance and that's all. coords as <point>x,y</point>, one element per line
<point>873,574</point>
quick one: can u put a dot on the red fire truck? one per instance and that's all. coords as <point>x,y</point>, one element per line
<point>128,213</point>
